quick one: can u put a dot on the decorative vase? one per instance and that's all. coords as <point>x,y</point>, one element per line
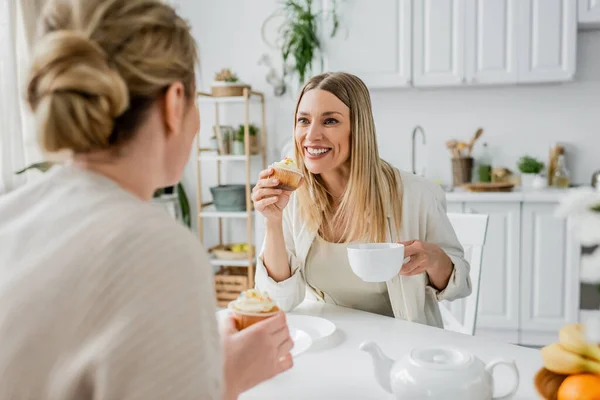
<point>238,148</point>
<point>527,181</point>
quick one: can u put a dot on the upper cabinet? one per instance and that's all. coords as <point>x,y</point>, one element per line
<point>588,13</point>
<point>491,41</point>
<point>374,42</point>
<point>548,33</point>
<point>439,42</point>
<point>398,43</point>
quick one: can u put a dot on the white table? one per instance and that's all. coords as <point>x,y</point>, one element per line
<point>336,369</point>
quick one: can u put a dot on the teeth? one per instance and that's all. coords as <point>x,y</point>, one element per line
<point>316,152</point>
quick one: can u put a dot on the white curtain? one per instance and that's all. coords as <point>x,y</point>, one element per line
<point>18,144</point>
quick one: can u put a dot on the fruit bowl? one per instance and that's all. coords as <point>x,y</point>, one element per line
<point>237,251</point>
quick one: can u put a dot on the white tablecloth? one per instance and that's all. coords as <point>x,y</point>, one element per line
<point>336,369</point>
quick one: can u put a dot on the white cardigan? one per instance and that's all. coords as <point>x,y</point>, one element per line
<point>412,297</point>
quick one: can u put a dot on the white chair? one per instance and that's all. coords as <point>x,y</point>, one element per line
<point>471,231</point>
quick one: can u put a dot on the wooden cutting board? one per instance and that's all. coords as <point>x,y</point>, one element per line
<point>489,187</point>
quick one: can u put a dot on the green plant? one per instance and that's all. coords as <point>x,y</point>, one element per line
<point>225,75</point>
<point>252,131</point>
<point>184,203</point>
<point>300,36</point>
<point>530,165</point>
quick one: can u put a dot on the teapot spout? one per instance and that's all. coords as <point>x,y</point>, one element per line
<point>383,364</point>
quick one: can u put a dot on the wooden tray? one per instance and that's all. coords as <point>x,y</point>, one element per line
<point>489,187</point>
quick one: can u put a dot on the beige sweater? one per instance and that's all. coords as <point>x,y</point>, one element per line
<point>102,296</point>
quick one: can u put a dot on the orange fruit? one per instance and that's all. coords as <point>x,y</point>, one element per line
<point>580,387</point>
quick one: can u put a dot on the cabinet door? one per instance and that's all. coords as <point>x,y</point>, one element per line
<point>547,40</point>
<point>589,12</point>
<point>439,42</point>
<point>373,42</point>
<point>549,270</point>
<point>491,41</point>
<point>499,290</point>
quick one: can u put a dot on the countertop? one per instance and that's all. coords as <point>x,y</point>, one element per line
<point>517,195</point>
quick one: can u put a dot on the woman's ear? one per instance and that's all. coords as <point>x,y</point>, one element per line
<point>174,108</point>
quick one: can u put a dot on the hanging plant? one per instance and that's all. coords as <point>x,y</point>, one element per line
<point>299,36</point>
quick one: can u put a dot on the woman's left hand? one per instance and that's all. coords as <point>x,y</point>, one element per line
<point>427,257</point>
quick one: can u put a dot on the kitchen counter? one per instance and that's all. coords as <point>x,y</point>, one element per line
<point>536,196</point>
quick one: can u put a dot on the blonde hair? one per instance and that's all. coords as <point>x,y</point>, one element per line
<point>362,213</point>
<point>98,66</point>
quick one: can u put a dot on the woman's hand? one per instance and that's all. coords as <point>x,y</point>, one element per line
<point>255,354</point>
<point>268,201</point>
<point>430,258</point>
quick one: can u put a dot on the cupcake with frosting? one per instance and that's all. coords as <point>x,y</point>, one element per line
<point>288,174</point>
<point>252,306</point>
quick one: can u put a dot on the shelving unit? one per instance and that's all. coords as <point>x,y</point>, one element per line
<point>208,210</point>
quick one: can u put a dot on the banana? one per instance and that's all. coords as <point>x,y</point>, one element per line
<point>572,338</point>
<point>561,361</point>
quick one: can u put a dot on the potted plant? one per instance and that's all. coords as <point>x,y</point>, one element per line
<point>530,168</point>
<point>253,132</point>
<point>298,40</point>
<point>227,84</point>
<point>238,147</point>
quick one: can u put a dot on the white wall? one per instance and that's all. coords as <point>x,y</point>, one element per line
<point>516,120</point>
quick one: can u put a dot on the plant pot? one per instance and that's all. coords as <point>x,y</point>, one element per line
<point>462,170</point>
<point>528,180</point>
<point>238,148</point>
<point>228,89</point>
<point>229,197</point>
<point>214,144</point>
<point>254,144</point>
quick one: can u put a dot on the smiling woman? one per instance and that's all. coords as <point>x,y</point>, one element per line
<point>351,195</point>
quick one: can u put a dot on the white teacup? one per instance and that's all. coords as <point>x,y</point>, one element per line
<point>376,262</point>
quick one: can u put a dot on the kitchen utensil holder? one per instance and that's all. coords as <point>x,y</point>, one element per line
<point>462,170</point>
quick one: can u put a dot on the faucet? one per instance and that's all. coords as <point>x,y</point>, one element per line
<point>418,128</point>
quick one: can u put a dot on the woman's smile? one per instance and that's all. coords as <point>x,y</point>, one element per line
<point>316,152</point>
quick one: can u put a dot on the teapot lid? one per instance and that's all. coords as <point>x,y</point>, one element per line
<point>440,358</point>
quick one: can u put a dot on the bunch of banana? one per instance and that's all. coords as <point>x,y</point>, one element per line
<point>572,354</point>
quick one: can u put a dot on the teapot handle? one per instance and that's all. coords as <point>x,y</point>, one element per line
<point>511,364</point>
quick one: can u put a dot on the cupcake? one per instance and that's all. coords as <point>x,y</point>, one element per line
<point>288,174</point>
<point>252,306</point>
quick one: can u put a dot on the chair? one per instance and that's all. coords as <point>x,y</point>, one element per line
<point>471,231</point>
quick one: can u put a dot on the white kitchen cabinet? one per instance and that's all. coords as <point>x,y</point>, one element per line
<point>549,274</point>
<point>547,40</point>
<point>498,313</point>
<point>439,42</point>
<point>491,42</point>
<point>588,13</point>
<point>374,42</point>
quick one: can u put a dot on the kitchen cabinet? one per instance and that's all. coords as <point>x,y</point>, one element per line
<point>530,267</point>
<point>402,43</point>
<point>439,42</point>
<point>498,312</point>
<point>588,13</point>
<point>380,55</point>
<point>547,37</point>
<point>549,275</point>
<point>491,42</point>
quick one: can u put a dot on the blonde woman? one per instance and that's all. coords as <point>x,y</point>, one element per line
<point>103,295</point>
<point>349,195</point>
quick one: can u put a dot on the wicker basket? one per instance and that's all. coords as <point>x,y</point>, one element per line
<point>462,170</point>
<point>223,252</point>
<point>227,89</point>
<point>229,283</point>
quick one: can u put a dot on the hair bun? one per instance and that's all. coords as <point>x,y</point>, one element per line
<point>74,93</point>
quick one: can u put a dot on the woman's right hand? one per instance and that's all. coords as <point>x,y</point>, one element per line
<point>269,201</point>
<point>255,354</point>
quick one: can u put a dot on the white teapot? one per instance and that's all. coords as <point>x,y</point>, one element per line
<point>437,373</point>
